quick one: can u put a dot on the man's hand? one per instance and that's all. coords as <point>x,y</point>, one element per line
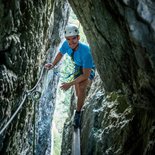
<point>49,66</point>
<point>65,86</point>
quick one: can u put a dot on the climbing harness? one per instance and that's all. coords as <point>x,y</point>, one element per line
<point>78,69</point>
<point>64,75</point>
<point>61,74</point>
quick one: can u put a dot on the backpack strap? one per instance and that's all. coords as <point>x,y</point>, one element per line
<point>72,55</point>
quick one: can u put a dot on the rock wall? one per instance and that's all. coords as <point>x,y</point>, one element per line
<point>49,86</point>
<point>121,35</point>
<point>25,30</point>
<point>110,126</point>
<point>119,119</point>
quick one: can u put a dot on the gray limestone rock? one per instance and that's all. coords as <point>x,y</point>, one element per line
<point>119,119</point>
<point>118,116</point>
<point>25,30</point>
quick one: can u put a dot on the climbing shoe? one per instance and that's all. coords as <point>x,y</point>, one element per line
<point>76,122</point>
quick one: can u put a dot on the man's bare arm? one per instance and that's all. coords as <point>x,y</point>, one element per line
<point>56,60</point>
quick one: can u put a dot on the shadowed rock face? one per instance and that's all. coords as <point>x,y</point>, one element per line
<point>118,117</point>
<point>25,27</point>
<point>121,35</point>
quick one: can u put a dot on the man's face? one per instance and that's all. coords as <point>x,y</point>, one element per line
<point>73,41</point>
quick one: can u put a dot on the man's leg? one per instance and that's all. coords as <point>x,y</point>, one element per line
<point>81,94</point>
<point>76,89</point>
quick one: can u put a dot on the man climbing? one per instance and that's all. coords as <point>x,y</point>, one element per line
<point>84,66</point>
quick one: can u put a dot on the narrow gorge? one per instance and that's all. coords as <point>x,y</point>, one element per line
<point>118,117</point>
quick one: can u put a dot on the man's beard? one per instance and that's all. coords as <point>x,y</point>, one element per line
<point>73,46</point>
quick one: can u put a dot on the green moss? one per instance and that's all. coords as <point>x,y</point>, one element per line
<point>122,104</point>
<point>119,99</point>
<point>112,96</point>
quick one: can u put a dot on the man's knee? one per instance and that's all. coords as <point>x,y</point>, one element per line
<point>81,88</point>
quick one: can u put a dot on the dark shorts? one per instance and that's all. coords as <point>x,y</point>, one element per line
<point>78,71</point>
